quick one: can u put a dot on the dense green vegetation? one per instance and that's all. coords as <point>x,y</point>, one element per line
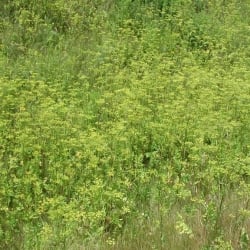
<point>125,124</point>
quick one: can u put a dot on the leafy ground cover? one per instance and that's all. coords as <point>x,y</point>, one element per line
<point>124,124</point>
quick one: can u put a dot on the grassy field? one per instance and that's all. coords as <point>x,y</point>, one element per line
<point>125,125</point>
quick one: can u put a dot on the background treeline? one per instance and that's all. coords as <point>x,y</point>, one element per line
<point>124,124</point>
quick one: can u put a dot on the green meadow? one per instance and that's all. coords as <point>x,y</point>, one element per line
<point>125,125</point>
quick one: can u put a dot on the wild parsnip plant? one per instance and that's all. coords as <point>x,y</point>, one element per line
<point>124,124</point>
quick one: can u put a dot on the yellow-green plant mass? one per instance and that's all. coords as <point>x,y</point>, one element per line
<point>125,124</point>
